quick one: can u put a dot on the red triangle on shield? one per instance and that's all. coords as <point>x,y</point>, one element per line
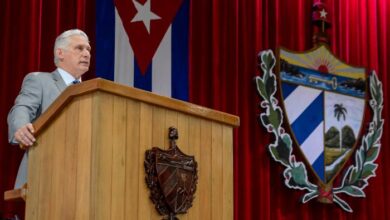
<point>143,41</point>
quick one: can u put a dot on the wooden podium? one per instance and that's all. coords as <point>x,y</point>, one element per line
<point>88,161</point>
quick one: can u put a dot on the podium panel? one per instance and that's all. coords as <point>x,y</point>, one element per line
<point>88,162</point>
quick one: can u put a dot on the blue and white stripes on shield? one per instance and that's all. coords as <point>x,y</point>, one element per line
<point>305,113</point>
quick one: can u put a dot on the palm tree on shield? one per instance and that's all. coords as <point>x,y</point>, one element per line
<point>340,112</point>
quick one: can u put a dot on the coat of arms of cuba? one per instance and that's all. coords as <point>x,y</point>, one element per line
<point>319,113</point>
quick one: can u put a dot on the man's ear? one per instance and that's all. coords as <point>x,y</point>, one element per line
<point>60,53</point>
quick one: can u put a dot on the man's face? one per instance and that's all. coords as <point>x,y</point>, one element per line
<point>75,58</point>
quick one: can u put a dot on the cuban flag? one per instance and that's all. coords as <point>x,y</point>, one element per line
<point>144,44</point>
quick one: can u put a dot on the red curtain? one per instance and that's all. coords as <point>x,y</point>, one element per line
<point>226,36</point>
<point>28,30</point>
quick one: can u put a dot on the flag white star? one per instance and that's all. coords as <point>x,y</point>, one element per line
<point>323,13</point>
<point>144,14</point>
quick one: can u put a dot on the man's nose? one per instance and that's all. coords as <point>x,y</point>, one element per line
<point>86,53</point>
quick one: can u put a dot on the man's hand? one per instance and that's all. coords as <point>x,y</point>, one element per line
<point>24,135</point>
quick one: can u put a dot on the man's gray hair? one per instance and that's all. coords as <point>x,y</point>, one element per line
<point>62,40</point>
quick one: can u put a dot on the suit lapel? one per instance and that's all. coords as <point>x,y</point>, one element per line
<point>58,80</point>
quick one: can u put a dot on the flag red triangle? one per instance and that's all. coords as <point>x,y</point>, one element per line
<point>144,43</point>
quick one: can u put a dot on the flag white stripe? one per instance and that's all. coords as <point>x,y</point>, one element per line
<point>312,147</point>
<point>162,66</point>
<point>124,55</point>
<point>298,101</point>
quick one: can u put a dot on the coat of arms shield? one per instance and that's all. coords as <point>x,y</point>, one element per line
<point>171,177</point>
<point>324,103</point>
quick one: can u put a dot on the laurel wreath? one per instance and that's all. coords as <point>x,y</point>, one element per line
<point>355,179</point>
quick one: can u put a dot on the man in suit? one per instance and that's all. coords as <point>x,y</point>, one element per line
<point>39,89</point>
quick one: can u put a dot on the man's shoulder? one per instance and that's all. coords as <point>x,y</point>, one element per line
<point>41,75</point>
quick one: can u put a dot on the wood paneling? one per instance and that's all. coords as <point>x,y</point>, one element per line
<point>89,159</point>
<point>205,170</point>
<point>194,149</point>
<point>216,171</point>
<point>133,158</point>
<point>119,120</point>
<point>146,208</point>
<point>227,173</point>
<point>84,154</point>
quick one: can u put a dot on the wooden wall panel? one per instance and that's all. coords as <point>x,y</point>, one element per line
<point>159,139</point>
<point>52,173</point>
<point>183,141</point>
<point>96,150</point>
<point>146,208</point>
<point>34,173</point>
<point>68,193</point>
<point>216,170</point>
<point>159,131</point>
<point>133,155</point>
<point>43,181</point>
<point>182,127</point>
<point>194,149</point>
<point>204,171</point>
<point>96,101</point>
<point>119,120</point>
<point>84,151</point>
<point>51,159</point>
<point>227,174</point>
<point>102,166</point>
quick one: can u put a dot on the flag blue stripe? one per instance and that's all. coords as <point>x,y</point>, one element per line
<point>180,46</point>
<point>105,39</point>
<point>143,81</point>
<point>313,115</point>
<point>319,167</point>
